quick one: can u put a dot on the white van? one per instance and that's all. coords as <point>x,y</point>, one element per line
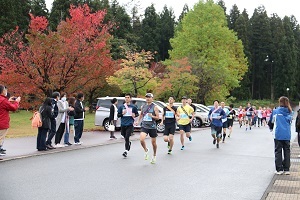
<point>103,106</point>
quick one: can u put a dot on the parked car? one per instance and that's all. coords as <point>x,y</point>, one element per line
<point>201,116</point>
<point>102,112</point>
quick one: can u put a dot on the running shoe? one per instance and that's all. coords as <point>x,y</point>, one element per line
<point>214,141</point>
<point>153,160</point>
<point>190,138</point>
<point>169,151</point>
<point>125,154</point>
<point>146,154</point>
<point>182,148</point>
<point>217,145</point>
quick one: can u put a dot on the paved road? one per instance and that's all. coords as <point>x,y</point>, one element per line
<point>241,169</point>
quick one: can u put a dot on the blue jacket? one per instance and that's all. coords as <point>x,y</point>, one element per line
<point>282,119</point>
<point>219,112</point>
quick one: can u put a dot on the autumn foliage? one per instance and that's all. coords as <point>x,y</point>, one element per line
<point>76,57</point>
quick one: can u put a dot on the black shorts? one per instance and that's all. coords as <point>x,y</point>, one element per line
<point>152,132</point>
<point>216,130</point>
<point>186,128</point>
<point>225,124</point>
<point>170,129</point>
<point>230,122</point>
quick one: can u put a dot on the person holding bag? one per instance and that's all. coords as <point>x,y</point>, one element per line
<point>113,117</point>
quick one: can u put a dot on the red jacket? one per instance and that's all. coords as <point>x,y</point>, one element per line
<point>5,107</point>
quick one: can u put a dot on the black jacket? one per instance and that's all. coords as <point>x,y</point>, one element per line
<point>112,112</point>
<point>79,110</point>
<point>46,116</point>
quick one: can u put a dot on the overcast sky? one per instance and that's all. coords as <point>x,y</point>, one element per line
<point>282,8</point>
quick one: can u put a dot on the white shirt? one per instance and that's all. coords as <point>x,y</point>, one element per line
<point>116,112</point>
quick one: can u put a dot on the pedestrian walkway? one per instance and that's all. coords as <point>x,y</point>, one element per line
<point>286,187</point>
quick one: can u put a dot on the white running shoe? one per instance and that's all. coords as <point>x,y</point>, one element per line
<point>146,154</point>
<point>287,173</point>
<point>279,172</point>
<point>153,160</point>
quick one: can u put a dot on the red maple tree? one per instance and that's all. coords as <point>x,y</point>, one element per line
<point>74,58</point>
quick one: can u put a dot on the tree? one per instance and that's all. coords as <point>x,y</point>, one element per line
<point>233,16</point>
<point>134,77</point>
<point>211,45</point>
<point>38,8</point>
<point>14,13</point>
<point>185,10</point>
<point>167,21</point>
<point>179,80</point>
<point>260,46</point>
<point>74,58</point>
<point>150,33</point>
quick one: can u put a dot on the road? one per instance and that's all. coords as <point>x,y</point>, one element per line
<point>241,169</point>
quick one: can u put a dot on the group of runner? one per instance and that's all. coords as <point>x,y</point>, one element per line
<point>251,116</point>
<point>220,116</point>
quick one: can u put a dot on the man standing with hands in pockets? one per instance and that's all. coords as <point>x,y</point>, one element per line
<point>149,114</point>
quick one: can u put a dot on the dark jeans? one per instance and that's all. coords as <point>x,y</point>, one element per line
<point>59,133</point>
<point>299,138</point>
<point>52,131</point>
<point>78,125</point>
<point>282,165</point>
<point>41,138</point>
<point>126,133</point>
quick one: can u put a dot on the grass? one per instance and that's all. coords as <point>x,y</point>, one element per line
<point>20,125</point>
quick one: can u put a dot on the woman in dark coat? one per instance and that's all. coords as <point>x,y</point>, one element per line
<point>46,113</point>
<point>113,116</point>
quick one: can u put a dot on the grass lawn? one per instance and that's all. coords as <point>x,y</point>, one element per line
<point>20,125</point>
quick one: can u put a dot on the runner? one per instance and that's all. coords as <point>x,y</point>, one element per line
<point>259,116</point>
<point>184,121</point>
<point>127,112</point>
<point>169,119</point>
<point>215,115</point>
<point>150,115</point>
<point>249,113</point>
<point>241,116</point>
<point>230,119</point>
<point>264,116</point>
<point>224,120</point>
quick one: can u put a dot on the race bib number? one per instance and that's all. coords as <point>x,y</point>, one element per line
<point>248,113</point>
<point>184,116</point>
<point>215,115</point>
<point>147,118</point>
<point>169,114</point>
<point>129,112</point>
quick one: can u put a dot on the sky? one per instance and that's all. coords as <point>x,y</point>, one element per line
<point>282,8</point>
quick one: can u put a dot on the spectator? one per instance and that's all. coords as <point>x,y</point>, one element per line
<point>62,120</point>
<point>280,122</point>
<point>79,118</point>
<point>113,116</point>
<point>52,132</point>
<point>47,114</point>
<point>6,105</point>
<point>70,128</point>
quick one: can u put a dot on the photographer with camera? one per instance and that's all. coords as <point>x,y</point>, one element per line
<point>6,105</point>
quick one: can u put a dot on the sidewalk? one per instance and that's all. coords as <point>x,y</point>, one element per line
<point>286,187</point>
<point>26,146</point>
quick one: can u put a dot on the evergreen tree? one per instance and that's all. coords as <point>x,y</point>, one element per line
<point>14,13</point>
<point>38,8</point>
<point>167,25</point>
<point>185,10</point>
<point>233,16</point>
<point>150,33</point>
<point>260,40</point>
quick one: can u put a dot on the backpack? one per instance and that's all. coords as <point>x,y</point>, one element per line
<point>36,120</point>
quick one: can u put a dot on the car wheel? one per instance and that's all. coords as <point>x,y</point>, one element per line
<point>106,124</point>
<point>160,128</point>
<point>197,123</point>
